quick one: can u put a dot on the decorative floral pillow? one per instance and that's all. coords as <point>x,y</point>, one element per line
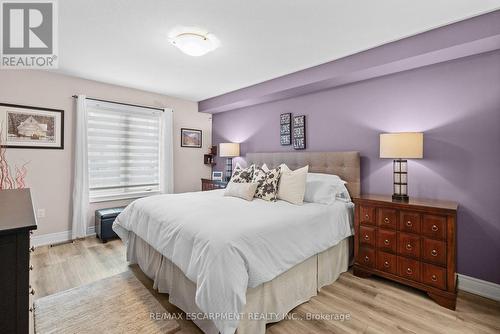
<point>267,182</point>
<point>242,175</point>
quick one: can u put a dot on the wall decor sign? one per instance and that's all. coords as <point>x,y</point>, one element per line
<point>299,132</point>
<point>285,129</point>
<point>31,127</point>
<point>191,138</point>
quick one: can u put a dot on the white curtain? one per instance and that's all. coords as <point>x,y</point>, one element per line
<point>167,152</point>
<point>80,175</point>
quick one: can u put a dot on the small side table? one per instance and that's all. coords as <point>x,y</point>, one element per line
<point>209,184</point>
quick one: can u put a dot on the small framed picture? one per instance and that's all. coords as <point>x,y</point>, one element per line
<point>285,129</point>
<point>217,176</point>
<point>191,138</point>
<point>299,132</point>
<point>31,127</point>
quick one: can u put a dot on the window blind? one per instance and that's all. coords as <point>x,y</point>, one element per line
<point>123,150</point>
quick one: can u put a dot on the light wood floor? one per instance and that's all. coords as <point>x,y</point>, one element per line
<point>375,305</point>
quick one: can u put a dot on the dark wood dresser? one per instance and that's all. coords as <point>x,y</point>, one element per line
<point>16,222</point>
<point>413,243</point>
<point>208,184</point>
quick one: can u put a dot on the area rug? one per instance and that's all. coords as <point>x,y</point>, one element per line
<point>117,304</point>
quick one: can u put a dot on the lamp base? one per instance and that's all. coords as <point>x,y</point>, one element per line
<point>400,198</point>
<point>229,169</point>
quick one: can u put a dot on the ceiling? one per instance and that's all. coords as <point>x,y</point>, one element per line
<point>125,42</point>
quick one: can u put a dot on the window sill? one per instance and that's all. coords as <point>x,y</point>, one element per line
<point>120,197</point>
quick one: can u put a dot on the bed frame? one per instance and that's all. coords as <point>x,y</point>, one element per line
<point>288,290</point>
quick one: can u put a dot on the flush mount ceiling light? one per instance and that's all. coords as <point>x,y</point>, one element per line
<point>193,41</point>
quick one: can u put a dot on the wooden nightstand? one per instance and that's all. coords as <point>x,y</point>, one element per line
<point>208,184</point>
<point>413,243</point>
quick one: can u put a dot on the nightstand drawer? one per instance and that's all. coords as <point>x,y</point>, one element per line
<point>367,215</point>
<point>434,251</point>
<point>387,240</point>
<point>409,268</point>
<point>387,262</point>
<point>409,245</point>
<point>434,275</point>
<point>387,218</point>
<point>409,222</point>
<point>434,227</point>
<point>367,236</point>
<point>366,257</point>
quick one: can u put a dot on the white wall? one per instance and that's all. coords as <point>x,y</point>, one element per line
<point>50,171</point>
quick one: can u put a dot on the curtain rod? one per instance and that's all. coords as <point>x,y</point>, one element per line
<point>125,104</point>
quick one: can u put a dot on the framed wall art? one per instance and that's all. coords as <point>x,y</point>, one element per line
<point>285,129</point>
<point>31,127</point>
<point>191,138</point>
<point>299,132</point>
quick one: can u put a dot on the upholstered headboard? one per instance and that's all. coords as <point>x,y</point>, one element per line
<point>344,164</point>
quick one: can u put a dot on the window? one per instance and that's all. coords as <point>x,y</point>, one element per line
<point>124,151</point>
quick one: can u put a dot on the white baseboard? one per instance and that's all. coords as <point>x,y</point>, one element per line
<point>58,237</point>
<point>479,287</point>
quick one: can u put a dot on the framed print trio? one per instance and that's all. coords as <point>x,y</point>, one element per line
<point>31,127</point>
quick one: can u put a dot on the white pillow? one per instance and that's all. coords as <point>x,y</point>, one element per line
<point>292,186</point>
<point>241,190</point>
<point>325,189</point>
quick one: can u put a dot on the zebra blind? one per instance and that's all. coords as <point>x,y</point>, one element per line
<point>123,150</point>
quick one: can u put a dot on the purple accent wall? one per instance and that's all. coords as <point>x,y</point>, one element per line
<point>457,106</point>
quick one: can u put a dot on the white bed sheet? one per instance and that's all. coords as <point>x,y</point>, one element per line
<point>226,245</point>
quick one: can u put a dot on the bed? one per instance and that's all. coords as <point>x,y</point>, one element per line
<point>234,265</point>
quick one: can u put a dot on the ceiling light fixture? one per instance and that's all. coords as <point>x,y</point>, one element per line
<point>193,42</point>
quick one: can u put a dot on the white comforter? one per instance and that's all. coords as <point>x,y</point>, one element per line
<point>226,244</point>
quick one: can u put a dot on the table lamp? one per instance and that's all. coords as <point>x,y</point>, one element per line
<point>229,151</point>
<point>401,146</point>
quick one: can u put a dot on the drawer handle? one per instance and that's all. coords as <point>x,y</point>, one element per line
<point>434,252</point>
<point>367,259</point>
<point>32,249</point>
<point>386,242</point>
<point>366,216</point>
<point>434,278</point>
<point>32,292</point>
<point>409,223</point>
<point>31,309</point>
<point>386,220</point>
<point>31,267</point>
<point>409,246</point>
<point>386,264</point>
<point>435,228</point>
<point>409,271</point>
<point>367,237</point>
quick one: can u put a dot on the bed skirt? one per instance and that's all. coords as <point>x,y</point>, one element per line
<point>266,303</point>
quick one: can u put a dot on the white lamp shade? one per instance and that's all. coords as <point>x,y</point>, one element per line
<point>403,145</point>
<point>229,150</point>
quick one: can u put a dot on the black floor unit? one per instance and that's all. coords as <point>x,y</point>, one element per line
<point>104,219</point>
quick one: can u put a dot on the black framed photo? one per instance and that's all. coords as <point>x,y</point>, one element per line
<point>191,138</point>
<point>299,132</point>
<point>285,129</point>
<point>31,127</point>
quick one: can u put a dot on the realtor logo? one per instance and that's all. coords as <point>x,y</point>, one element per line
<point>29,34</point>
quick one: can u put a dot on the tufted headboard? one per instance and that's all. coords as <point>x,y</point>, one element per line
<point>344,164</point>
